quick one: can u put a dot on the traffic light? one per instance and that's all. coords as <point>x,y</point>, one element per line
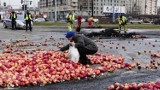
<point>30,2</point>
<point>21,1</point>
<point>4,4</point>
<point>24,7</point>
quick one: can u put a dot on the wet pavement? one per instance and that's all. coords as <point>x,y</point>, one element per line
<point>128,47</point>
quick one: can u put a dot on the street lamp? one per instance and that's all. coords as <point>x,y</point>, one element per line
<point>145,7</point>
<point>113,16</point>
<point>55,10</point>
<point>88,8</point>
<point>92,8</point>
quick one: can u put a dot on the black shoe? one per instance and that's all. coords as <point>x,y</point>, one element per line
<point>89,62</point>
<point>86,62</point>
<point>83,61</point>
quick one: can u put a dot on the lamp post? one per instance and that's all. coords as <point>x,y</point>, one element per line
<point>145,7</point>
<point>88,8</point>
<point>92,8</point>
<point>55,10</point>
<point>113,13</point>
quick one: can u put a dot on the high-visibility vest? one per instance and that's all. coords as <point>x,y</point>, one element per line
<point>70,17</point>
<point>119,21</point>
<point>122,20</point>
<point>13,16</point>
<point>28,17</point>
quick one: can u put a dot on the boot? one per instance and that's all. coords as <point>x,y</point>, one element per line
<point>89,62</point>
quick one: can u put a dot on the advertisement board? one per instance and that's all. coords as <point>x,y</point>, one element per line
<point>117,9</point>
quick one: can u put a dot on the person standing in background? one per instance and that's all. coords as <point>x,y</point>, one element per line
<point>79,22</point>
<point>13,17</point>
<point>123,22</point>
<point>90,22</point>
<point>28,18</point>
<point>70,17</point>
<point>119,23</point>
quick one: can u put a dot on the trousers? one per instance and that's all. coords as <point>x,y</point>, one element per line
<point>13,24</point>
<point>28,22</point>
<point>83,55</point>
<point>70,26</point>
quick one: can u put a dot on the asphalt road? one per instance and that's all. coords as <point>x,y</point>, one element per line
<point>40,34</point>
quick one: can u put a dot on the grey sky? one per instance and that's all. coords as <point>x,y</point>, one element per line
<point>17,3</point>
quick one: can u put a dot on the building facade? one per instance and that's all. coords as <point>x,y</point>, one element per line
<point>99,4</point>
<point>149,7</point>
<point>59,8</point>
<point>143,7</point>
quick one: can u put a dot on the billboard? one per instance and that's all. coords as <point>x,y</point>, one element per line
<point>117,9</point>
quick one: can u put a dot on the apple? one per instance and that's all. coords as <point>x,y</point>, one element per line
<point>139,52</point>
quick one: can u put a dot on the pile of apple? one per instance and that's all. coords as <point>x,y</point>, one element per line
<point>110,62</point>
<point>155,55</point>
<point>50,67</point>
<point>22,51</point>
<point>135,86</point>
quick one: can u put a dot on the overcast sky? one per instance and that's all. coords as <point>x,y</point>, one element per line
<point>17,4</point>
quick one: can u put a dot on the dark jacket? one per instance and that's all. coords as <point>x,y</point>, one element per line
<point>27,14</point>
<point>82,42</point>
<point>12,17</point>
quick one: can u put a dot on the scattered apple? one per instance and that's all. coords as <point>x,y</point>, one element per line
<point>135,86</point>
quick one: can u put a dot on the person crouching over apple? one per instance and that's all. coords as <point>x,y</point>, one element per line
<point>84,45</point>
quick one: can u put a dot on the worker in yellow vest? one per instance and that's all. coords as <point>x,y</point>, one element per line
<point>90,22</point>
<point>13,17</point>
<point>122,22</point>
<point>28,18</point>
<point>70,17</point>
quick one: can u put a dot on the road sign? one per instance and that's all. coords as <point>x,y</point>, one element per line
<point>117,9</point>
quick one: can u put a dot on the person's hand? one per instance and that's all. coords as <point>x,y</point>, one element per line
<point>70,43</point>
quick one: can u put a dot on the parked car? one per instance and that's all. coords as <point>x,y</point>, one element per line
<point>136,21</point>
<point>157,21</point>
<point>20,22</point>
<point>39,20</point>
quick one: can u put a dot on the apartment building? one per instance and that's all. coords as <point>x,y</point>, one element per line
<point>144,7</point>
<point>149,7</point>
<point>58,8</point>
<point>99,4</point>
